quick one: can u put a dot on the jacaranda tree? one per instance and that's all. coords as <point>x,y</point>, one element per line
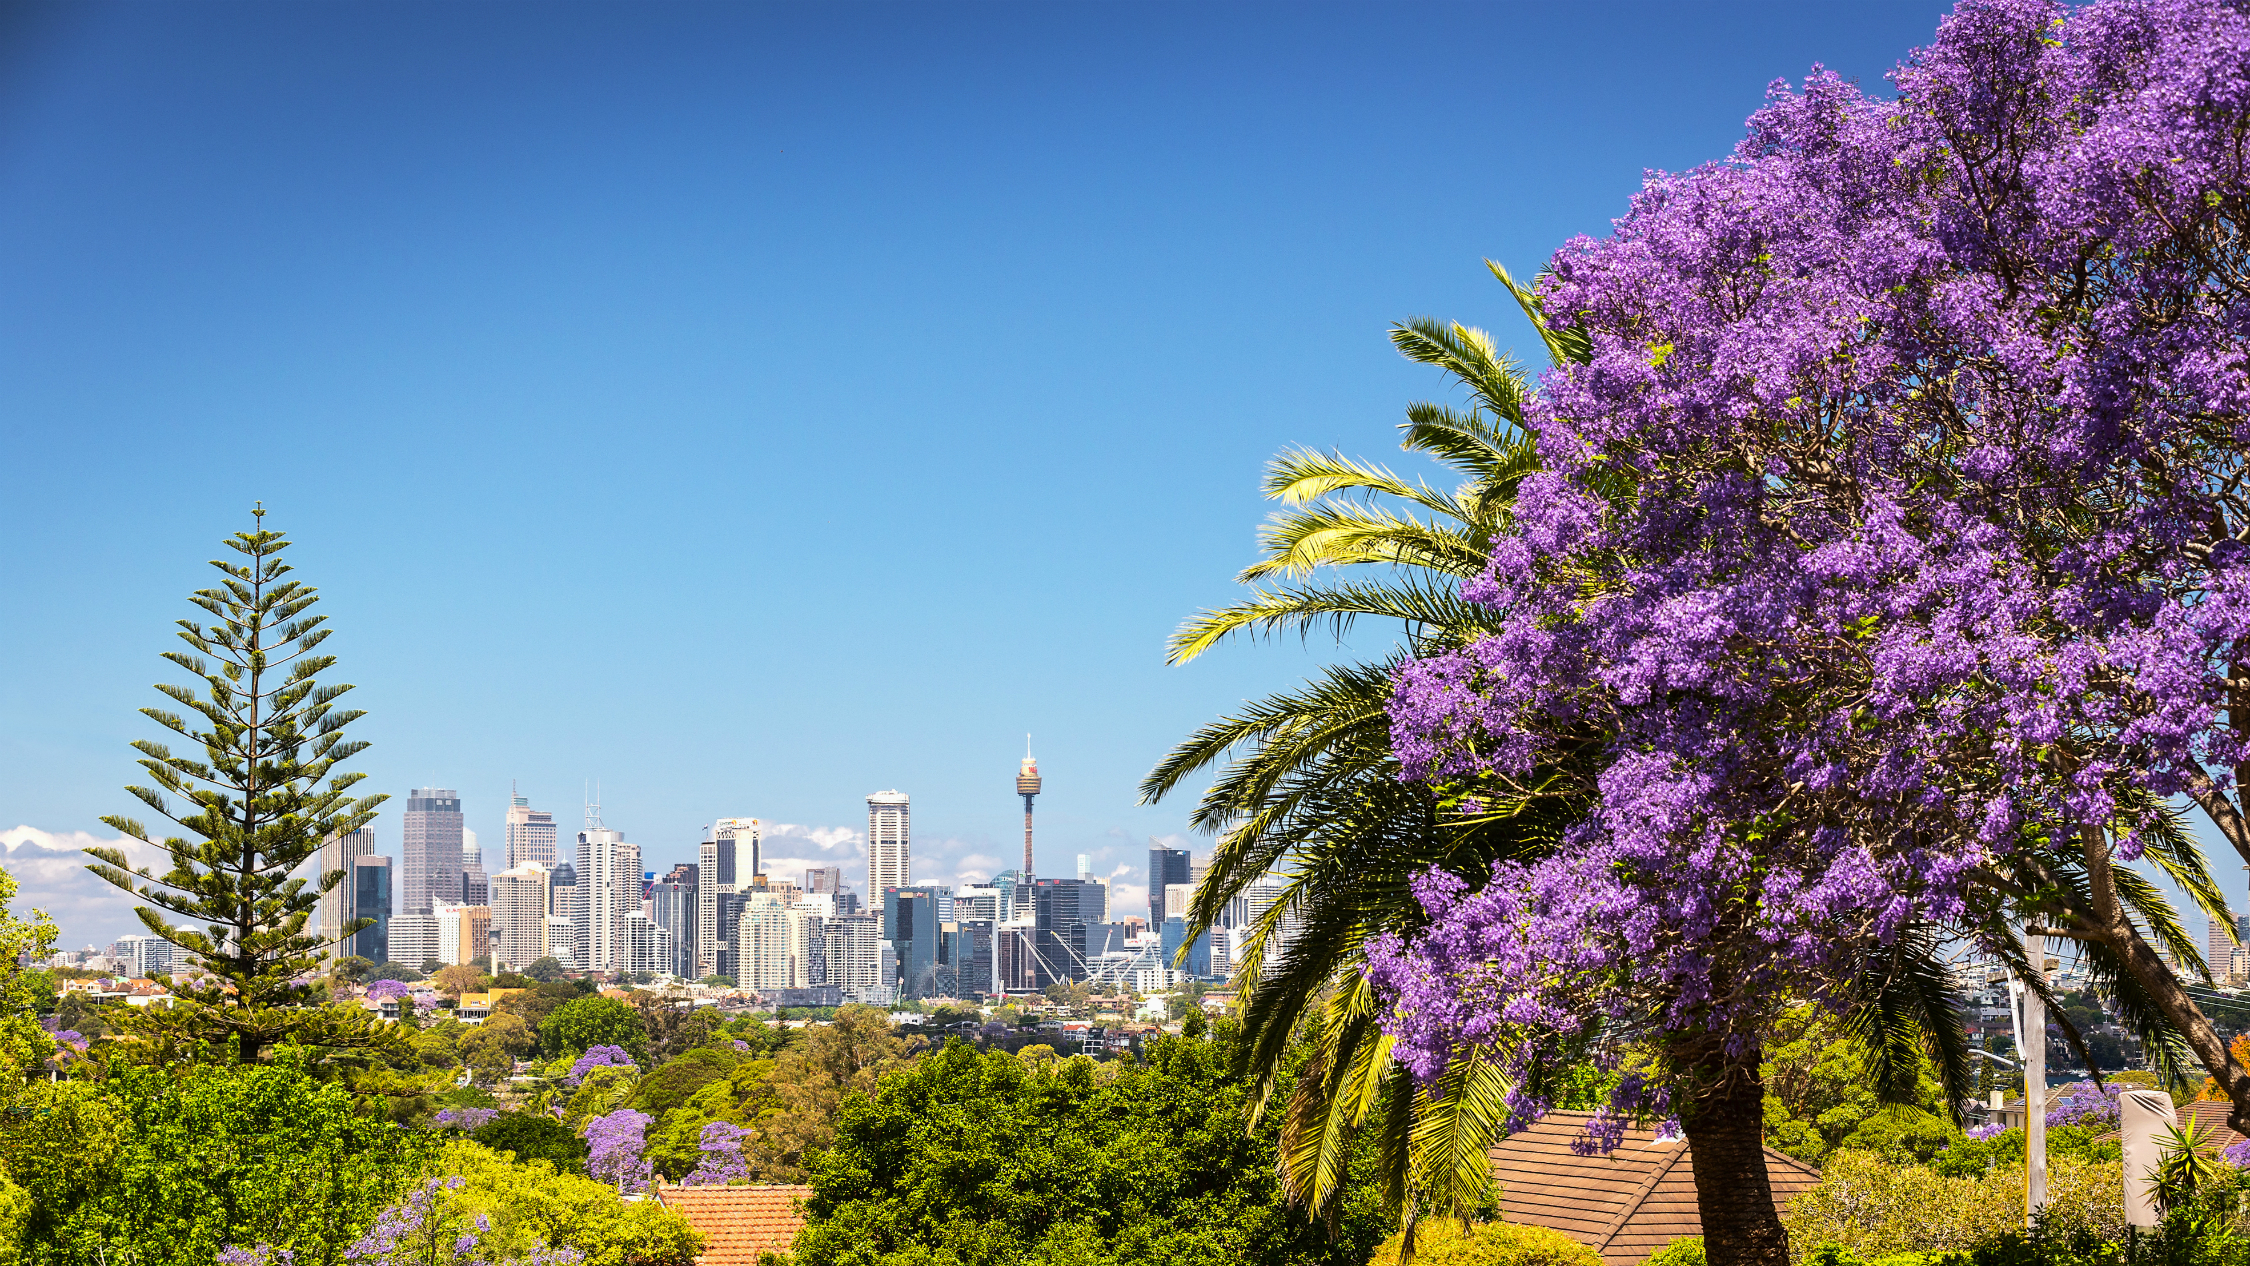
<point>1893,533</point>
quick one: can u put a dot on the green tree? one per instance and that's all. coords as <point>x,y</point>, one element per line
<point>544,969</point>
<point>171,1167</point>
<point>264,787</point>
<point>583,1023</point>
<point>25,992</point>
<point>534,1137</point>
<point>976,1158</point>
<point>528,1205</point>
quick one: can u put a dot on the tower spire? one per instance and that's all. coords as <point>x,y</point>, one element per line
<point>1027,786</point>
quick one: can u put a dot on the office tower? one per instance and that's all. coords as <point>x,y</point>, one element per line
<point>1166,866</point>
<point>2219,940</point>
<point>1015,957</point>
<point>531,834</point>
<point>1178,900</point>
<point>1198,962</point>
<point>808,947</point>
<point>464,932</point>
<point>675,904</point>
<point>1085,867</point>
<point>433,849</point>
<point>1005,883</point>
<point>762,944</point>
<point>609,877</point>
<point>520,897</point>
<point>1027,786</point>
<point>855,958</point>
<point>824,879</point>
<point>967,957</point>
<point>370,881</point>
<point>890,857</point>
<point>976,901</point>
<point>476,882</point>
<point>414,940</point>
<point>1261,896</point>
<point>145,955</point>
<point>644,947</point>
<point>910,924</point>
<point>726,865</point>
<point>1062,909</point>
<point>341,852</point>
<point>564,910</point>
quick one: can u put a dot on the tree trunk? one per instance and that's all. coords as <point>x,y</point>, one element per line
<point>1725,1127</point>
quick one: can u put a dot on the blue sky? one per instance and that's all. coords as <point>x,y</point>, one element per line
<point>754,407</point>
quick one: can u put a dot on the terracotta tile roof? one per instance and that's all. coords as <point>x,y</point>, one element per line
<point>738,1223</point>
<point>1625,1205</point>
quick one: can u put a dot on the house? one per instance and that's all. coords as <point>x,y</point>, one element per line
<point>1626,1204</point>
<point>737,1223</point>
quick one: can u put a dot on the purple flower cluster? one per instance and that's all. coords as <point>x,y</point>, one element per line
<point>1990,1129</point>
<point>1888,531</point>
<point>721,1163</point>
<point>262,1255</point>
<point>2084,1103</point>
<point>2236,1153</point>
<point>597,1057</point>
<point>466,1119</point>
<point>422,1231</point>
<point>614,1147</point>
<point>388,990</point>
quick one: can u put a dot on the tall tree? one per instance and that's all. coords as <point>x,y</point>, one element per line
<point>261,789</point>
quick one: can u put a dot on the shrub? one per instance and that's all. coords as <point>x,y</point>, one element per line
<point>532,1137</point>
<point>1684,1251</point>
<point>1871,1209</point>
<point>1446,1242</point>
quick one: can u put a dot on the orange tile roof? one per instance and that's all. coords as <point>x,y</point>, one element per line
<point>1625,1205</point>
<point>738,1223</point>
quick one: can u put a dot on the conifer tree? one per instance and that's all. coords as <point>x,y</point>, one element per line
<point>254,805</point>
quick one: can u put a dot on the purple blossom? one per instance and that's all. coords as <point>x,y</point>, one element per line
<point>598,1057</point>
<point>1849,538</point>
<point>721,1163</point>
<point>741,1045</point>
<point>2084,1103</point>
<point>262,1255</point>
<point>388,990</point>
<point>614,1144</point>
<point>1990,1129</point>
<point>2236,1153</point>
<point>466,1118</point>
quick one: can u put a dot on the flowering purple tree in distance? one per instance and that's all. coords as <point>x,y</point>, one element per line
<point>721,1163</point>
<point>597,1057</point>
<point>1892,539</point>
<point>614,1147</point>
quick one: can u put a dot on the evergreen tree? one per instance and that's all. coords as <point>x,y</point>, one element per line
<point>254,805</point>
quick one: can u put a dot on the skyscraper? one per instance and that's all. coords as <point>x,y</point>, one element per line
<point>519,916</point>
<point>433,849</point>
<point>823,879</point>
<point>1166,866</point>
<point>337,908</point>
<point>890,857</point>
<point>609,879</point>
<point>726,865</point>
<point>676,905</point>
<point>370,881</point>
<point>476,882</point>
<point>531,834</point>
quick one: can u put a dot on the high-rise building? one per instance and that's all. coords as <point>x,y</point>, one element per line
<point>977,901</point>
<point>727,865</point>
<point>1085,867</point>
<point>856,958</point>
<point>2219,940</point>
<point>370,882</point>
<point>1198,962</point>
<point>911,925</point>
<point>646,947</point>
<point>675,904</point>
<point>1166,866</point>
<point>609,876</point>
<point>150,956</point>
<point>414,940</point>
<point>531,834</point>
<point>1015,957</point>
<point>476,882</point>
<point>520,901</point>
<point>432,850</point>
<point>341,852</point>
<point>820,880</point>
<point>1062,911</point>
<point>890,852</point>
<point>762,944</point>
<point>464,932</point>
<point>565,909</point>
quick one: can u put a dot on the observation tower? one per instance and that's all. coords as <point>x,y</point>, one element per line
<point>1027,786</point>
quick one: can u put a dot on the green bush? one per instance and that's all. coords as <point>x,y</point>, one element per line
<point>534,1137</point>
<point>1445,1242</point>
<point>1872,1209</point>
<point>1684,1251</point>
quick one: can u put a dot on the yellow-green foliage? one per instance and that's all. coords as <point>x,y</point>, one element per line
<point>1684,1251</point>
<point>1446,1242</point>
<point>1875,1208</point>
<point>530,1205</point>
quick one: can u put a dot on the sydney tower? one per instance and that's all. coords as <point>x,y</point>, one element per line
<point>1027,786</point>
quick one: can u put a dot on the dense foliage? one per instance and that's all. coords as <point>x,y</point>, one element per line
<point>985,1159</point>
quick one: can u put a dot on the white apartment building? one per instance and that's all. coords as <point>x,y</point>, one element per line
<point>727,864</point>
<point>857,955</point>
<point>519,915</point>
<point>464,932</point>
<point>562,941</point>
<point>146,955</point>
<point>890,854</point>
<point>531,834</point>
<point>414,939</point>
<point>611,879</point>
<point>762,945</point>
<point>647,945</point>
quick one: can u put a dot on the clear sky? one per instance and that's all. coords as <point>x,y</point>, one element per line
<point>752,408</point>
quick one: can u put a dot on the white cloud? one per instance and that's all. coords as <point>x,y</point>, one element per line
<point>50,869</point>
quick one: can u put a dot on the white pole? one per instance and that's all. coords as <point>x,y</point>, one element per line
<point>2034,1052</point>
